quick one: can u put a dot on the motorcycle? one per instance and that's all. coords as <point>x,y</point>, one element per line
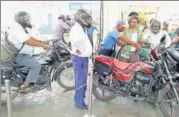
<point>51,61</point>
<point>153,81</point>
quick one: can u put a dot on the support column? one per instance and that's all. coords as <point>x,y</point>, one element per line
<point>112,13</point>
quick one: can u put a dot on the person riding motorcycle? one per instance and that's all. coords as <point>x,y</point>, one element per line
<point>19,36</point>
<point>113,37</point>
<point>153,35</point>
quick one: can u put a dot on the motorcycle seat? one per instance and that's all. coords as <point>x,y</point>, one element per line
<point>121,65</point>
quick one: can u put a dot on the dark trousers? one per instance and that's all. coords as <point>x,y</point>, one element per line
<point>106,52</point>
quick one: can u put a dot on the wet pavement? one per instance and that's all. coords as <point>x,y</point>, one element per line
<point>60,104</point>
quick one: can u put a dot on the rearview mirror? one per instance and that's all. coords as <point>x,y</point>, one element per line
<point>163,39</point>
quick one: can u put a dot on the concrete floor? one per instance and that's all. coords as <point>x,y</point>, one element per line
<point>60,104</point>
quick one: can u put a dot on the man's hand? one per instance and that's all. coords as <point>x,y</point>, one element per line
<point>78,52</point>
<point>45,47</point>
<point>138,47</point>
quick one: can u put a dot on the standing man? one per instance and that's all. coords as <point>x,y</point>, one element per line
<point>113,37</point>
<point>81,51</point>
<point>60,28</point>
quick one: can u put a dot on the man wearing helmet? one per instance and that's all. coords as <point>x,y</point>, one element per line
<point>60,28</point>
<point>154,34</point>
<point>81,50</point>
<point>25,43</point>
<point>70,21</point>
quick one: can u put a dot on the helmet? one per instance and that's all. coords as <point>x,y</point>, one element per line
<point>177,32</point>
<point>152,20</point>
<point>165,23</point>
<point>68,17</point>
<point>24,19</point>
<point>155,26</point>
<point>62,17</point>
<point>133,13</point>
<point>143,18</point>
<point>83,17</point>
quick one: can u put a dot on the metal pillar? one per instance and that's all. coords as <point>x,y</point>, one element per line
<point>89,114</point>
<point>8,93</point>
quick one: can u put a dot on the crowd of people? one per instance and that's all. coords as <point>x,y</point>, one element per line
<point>81,36</point>
<point>135,34</point>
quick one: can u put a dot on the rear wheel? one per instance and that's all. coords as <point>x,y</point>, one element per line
<point>168,105</point>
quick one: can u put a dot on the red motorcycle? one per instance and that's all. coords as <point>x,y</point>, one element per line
<point>151,81</point>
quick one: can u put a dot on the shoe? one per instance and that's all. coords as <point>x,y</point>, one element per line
<point>82,108</point>
<point>24,89</point>
<point>85,107</point>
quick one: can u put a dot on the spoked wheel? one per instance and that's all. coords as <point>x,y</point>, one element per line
<point>65,76</point>
<point>14,93</point>
<point>100,93</point>
<point>168,105</point>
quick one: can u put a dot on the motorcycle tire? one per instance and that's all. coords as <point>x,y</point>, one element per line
<point>14,94</point>
<point>59,78</point>
<point>162,106</point>
<point>99,97</point>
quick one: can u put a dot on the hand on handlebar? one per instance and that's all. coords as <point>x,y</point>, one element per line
<point>46,47</point>
<point>138,47</point>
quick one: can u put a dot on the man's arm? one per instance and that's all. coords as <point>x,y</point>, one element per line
<point>175,41</point>
<point>126,40</point>
<point>34,42</point>
<point>65,25</point>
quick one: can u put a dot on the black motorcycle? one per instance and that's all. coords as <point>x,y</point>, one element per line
<point>56,58</point>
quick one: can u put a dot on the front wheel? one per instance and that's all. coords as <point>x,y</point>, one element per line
<point>65,76</point>
<point>100,93</point>
<point>168,104</point>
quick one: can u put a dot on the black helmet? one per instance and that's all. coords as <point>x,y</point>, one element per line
<point>152,20</point>
<point>62,17</point>
<point>68,17</point>
<point>155,26</point>
<point>24,19</point>
<point>165,23</point>
<point>177,32</point>
<point>83,17</point>
<point>133,13</point>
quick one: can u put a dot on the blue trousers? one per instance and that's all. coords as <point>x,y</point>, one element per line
<point>80,65</point>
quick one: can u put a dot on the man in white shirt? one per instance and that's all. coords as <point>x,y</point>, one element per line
<point>154,34</point>
<point>25,43</point>
<point>81,51</point>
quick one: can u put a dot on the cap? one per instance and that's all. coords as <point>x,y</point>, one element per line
<point>120,22</point>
